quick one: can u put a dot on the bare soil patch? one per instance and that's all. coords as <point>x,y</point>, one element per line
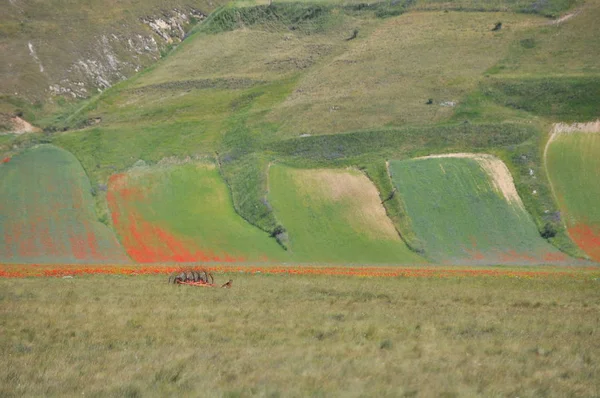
<point>566,128</point>
<point>21,126</point>
<point>564,18</point>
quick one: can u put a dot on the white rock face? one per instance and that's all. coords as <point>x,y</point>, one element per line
<point>171,28</point>
<point>35,57</point>
<point>114,56</point>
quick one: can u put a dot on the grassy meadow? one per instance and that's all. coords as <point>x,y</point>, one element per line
<point>334,216</point>
<point>47,211</point>
<point>264,139</point>
<point>183,213</point>
<point>568,48</point>
<point>387,76</point>
<point>574,165</point>
<point>300,336</point>
<point>460,215</point>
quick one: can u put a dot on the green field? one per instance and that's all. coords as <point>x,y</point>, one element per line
<point>334,216</point>
<point>573,162</point>
<point>47,211</point>
<point>183,213</point>
<point>293,335</point>
<point>461,216</point>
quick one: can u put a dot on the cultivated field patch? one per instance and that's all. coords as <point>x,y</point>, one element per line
<point>47,211</point>
<point>334,216</point>
<point>574,166</point>
<point>465,209</point>
<point>183,213</point>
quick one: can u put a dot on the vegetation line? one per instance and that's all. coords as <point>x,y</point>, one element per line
<point>277,229</point>
<point>552,137</point>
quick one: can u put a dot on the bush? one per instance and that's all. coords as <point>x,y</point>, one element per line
<point>295,16</point>
<point>548,231</point>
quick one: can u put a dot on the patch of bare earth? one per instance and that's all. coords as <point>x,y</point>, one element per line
<point>21,126</point>
<point>495,169</point>
<point>564,18</point>
<point>566,128</point>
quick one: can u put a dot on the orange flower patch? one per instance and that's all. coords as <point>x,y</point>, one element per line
<point>147,242</point>
<point>35,270</point>
<point>587,238</point>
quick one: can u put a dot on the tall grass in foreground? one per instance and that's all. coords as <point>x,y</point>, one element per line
<point>300,335</point>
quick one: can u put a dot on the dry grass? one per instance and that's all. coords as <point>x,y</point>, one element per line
<point>299,336</point>
<point>569,48</point>
<point>257,54</point>
<point>386,76</point>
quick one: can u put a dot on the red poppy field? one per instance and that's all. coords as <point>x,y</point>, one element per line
<point>548,272</point>
<point>183,214</point>
<point>47,212</point>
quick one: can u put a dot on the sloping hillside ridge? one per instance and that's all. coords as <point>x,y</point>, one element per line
<point>53,50</point>
<point>573,162</point>
<point>465,209</point>
<point>389,81</point>
<point>334,216</point>
<point>47,213</point>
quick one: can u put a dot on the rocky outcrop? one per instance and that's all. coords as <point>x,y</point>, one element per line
<point>170,27</point>
<point>115,57</point>
<point>78,51</point>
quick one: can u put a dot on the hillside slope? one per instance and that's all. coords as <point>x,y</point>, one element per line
<point>47,213</point>
<point>183,213</point>
<point>54,49</point>
<point>466,210</point>
<point>335,216</point>
<point>327,84</point>
<point>573,159</point>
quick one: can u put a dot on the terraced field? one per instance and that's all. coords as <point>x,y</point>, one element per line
<point>466,210</point>
<point>574,167</point>
<point>183,213</point>
<point>390,72</point>
<point>47,213</point>
<point>334,216</point>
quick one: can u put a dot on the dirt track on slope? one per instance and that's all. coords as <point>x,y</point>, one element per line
<point>564,18</point>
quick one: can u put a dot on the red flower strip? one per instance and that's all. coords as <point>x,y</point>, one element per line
<point>36,270</point>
